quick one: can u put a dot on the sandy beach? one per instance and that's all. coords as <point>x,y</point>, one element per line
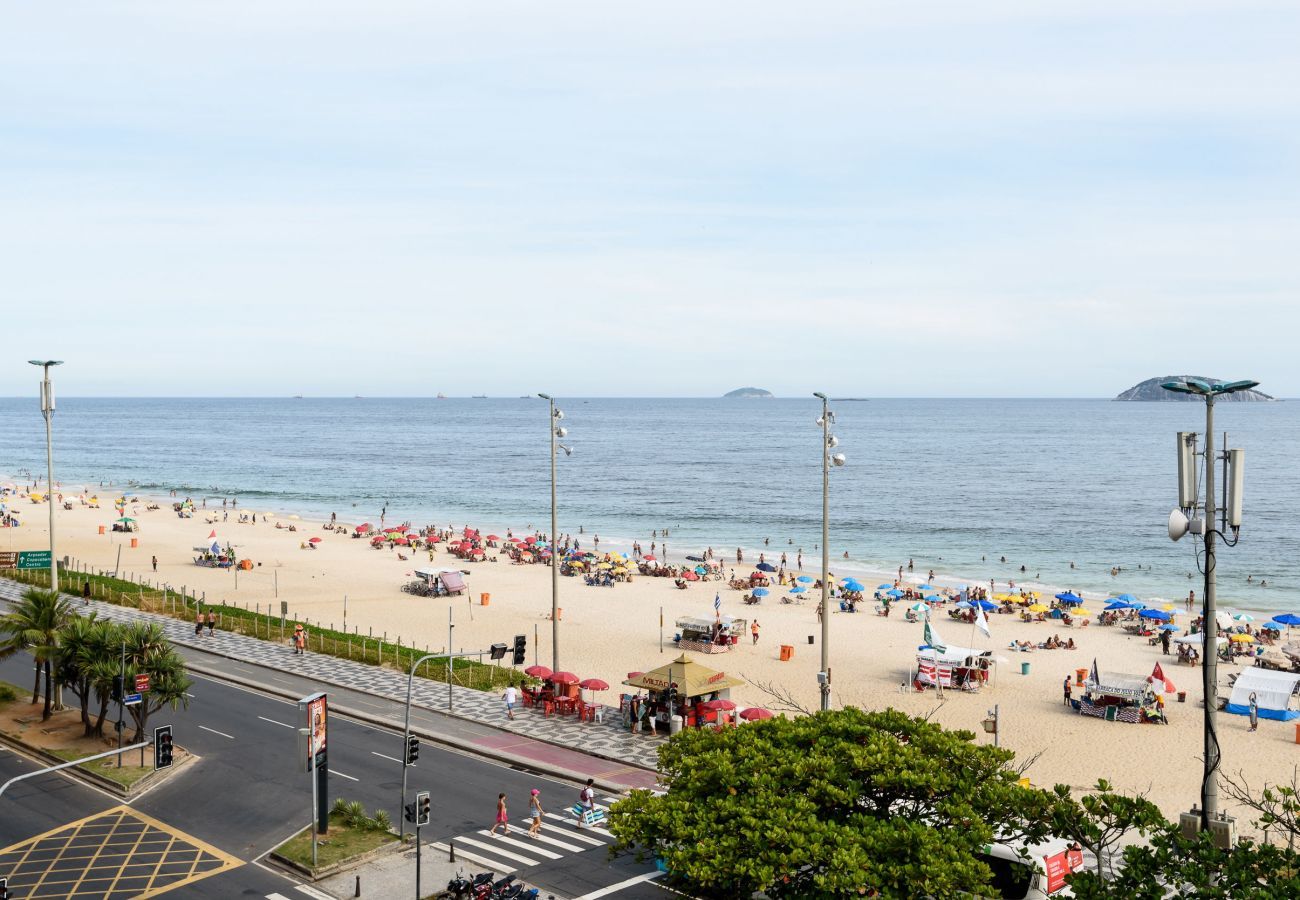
<point>607,632</point>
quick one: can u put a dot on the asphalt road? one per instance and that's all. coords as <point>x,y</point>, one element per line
<point>246,793</point>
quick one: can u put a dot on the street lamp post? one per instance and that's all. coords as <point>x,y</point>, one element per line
<point>1209,667</point>
<point>47,409</point>
<point>557,432</point>
<point>829,442</point>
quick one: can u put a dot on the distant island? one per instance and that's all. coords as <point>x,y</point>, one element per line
<point>1151,390</point>
<point>747,393</point>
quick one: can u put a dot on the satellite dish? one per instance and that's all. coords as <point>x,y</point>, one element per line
<point>1178,524</point>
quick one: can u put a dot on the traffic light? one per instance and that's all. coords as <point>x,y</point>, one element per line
<point>408,813</point>
<point>521,646</point>
<point>412,750</point>
<point>423,808</point>
<point>116,694</point>
<point>162,749</point>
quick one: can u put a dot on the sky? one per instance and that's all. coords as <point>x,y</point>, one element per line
<point>1004,198</point>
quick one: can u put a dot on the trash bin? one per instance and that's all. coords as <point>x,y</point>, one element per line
<point>135,542</point>
<point>787,652</point>
<point>483,599</point>
<point>1182,698</point>
<point>1079,675</point>
<point>101,529</point>
<point>1024,668</point>
<point>1297,734</point>
<point>674,725</point>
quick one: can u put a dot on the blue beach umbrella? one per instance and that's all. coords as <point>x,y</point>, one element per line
<point>804,579</point>
<point>1287,619</point>
<point>701,570</point>
<point>761,592</point>
<point>1158,614</point>
<point>894,593</point>
<point>1127,598</point>
<point>884,587</point>
<point>798,590</point>
<point>1168,627</point>
<point>766,567</point>
<point>987,605</point>
<point>965,604</point>
<point>852,586</point>
<point>1069,599</point>
<point>1118,604</point>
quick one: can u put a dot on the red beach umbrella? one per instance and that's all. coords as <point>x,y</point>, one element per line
<point>594,684</point>
<point>314,540</point>
<point>718,704</point>
<point>690,575</point>
<point>649,557</point>
<point>493,537</point>
<point>530,540</point>
<point>538,671</point>
<point>756,712</point>
<point>363,529</point>
<point>401,542</point>
<point>563,678</point>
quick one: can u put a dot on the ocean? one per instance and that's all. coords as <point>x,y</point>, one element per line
<point>953,485</point>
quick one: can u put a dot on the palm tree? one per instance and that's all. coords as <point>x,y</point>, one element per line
<point>149,652</point>
<point>35,626</point>
<point>89,657</point>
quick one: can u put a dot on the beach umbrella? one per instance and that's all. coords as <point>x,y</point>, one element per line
<point>884,587</point>
<point>563,678</point>
<point>1038,608</point>
<point>397,541</point>
<point>1069,598</point>
<point>314,540</point>
<point>804,579</point>
<point>594,684</point>
<point>576,564</point>
<point>493,537</point>
<point>1127,598</point>
<point>895,593</point>
<point>918,607</point>
<point>1080,611</point>
<point>720,703</point>
<point>1242,638</point>
<point>1244,617</point>
<point>649,557</point>
<point>1287,619</point>
<point>604,566</point>
<point>1158,614</point>
<point>700,570</point>
<point>1168,627</point>
<point>965,604</point>
<point>755,713</point>
<point>796,590</point>
<point>761,592</point>
<point>986,605</point>
<point>1118,604</point>
<point>690,576</point>
<point>538,671</point>
<point>766,567</point>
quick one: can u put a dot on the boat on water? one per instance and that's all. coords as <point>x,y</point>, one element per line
<point>441,396</point>
<point>479,397</point>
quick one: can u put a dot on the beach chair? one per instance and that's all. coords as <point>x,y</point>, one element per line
<point>589,817</point>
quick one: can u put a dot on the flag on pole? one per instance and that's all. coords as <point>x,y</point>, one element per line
<point>213,534</point>
<point>932,637</point>
<point>982,622</point>
<point>717,602</point>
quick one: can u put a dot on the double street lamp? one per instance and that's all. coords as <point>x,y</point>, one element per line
<point>47,409</point>
<point>829,443</point>
<point>557,431</point>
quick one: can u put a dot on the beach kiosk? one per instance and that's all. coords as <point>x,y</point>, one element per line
<point>674,694</point>
<point>1121,698</point>
<point>436,583</point>
<point>709,635</point>
<point>963,668</point>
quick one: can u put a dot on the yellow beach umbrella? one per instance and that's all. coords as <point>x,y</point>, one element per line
<point>604,566</point>
<point>1243,638</point>
<point>576,564</point>
<point>1081,612</point>
<point>1037,608</point>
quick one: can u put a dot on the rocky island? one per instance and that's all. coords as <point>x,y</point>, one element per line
<point>747,393</point>
<point>1151,390</point>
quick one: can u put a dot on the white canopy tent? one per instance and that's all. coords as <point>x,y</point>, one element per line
<point>1272,690</point>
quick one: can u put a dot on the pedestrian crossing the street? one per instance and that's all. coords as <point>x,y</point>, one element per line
<point>560,836</point>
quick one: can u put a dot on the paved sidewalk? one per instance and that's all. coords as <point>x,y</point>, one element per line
<point>607,740</point>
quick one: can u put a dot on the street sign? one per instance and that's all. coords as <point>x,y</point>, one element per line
<point>131,700</point>
<point>33,559</point>
<point>8,559</point>
<point>142,684</point>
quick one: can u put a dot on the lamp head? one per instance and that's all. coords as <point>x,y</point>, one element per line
<point>545,396</point>
<point>819,395</point>
<point>561,432</point>
<point>838,460</point>
<point>568,451</point>
<point>46,362</point>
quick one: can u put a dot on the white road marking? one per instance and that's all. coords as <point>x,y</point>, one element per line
<point>276,897</point>
<point>214,731</point>
<point>273,722</point>
<point>502,839</point>
<point>385,756</point>
<point>312,892</point>
<point>499,851</point>
<point>341,775</point>
<point>494,864</point>
<point>553,842</point>
<point>576,833</point>
<point>615,888</point>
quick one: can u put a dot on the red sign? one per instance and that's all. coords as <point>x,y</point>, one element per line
<point>717,677</point>
<point>141,684</point>
<point>1060,865</point>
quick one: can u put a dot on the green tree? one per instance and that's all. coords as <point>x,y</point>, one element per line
<point>34,625</point>
<point>148,652</point>
<point>1100,821</point>
<point>83,642</point>
<point>1171,866</point>
<point>835,804</point>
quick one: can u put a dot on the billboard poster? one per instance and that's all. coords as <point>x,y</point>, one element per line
<point>315,721</point>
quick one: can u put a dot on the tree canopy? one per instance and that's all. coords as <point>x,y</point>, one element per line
<point>839,803</point>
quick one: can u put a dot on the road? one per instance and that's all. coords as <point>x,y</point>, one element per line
<point>246,795</point>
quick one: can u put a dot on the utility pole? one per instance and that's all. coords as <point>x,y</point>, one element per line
<point>829,442</point>
<point>47,410</point>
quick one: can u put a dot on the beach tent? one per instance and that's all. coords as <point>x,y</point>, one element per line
<point>1272,690</point>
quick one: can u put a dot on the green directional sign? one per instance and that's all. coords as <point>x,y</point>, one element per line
<point>33,559</point>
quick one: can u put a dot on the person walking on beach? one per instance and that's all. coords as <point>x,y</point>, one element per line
<point>503,818</point>
<point>1164,642</point>
<point>212,623</point>
<point>1191,599</point>
<point>535,806</point>
<point>753,630</point>
<point>1067,690</point>
<point>510,697</point>
<point>155,564</point>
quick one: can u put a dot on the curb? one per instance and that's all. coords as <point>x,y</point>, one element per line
<point>441,740</point>
<point>108,785</point>
<point>345,865</point>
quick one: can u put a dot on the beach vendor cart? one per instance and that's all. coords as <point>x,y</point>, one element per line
<point>213,557</point>
<point>675,696</point>
<point>962,668</point>
<point>127,524</point>
<point>716,635</point>
<point>436,583</point>
<point>1121,698</point>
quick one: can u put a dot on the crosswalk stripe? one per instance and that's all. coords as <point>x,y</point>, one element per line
<point>476,859</point>
<point>527,848</point>
<point>550,840</point>
<point>499,851</point>
<point>312,892</point>
<point>578,834</point>
<point>276,897</point>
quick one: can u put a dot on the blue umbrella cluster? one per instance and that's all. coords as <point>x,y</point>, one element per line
<point>1069,599</point>
<point>1287,619</point>
<point>1158,614</point>
<point>761,592</point>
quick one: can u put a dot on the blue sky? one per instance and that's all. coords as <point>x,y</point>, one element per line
<point>874,199</point>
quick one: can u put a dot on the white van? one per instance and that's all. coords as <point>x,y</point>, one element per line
<point>1038,875</point>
